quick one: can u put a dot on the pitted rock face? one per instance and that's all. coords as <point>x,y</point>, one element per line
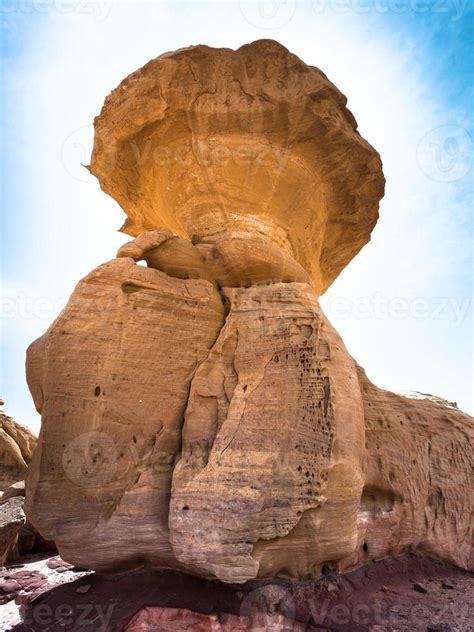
<point>209,140</point>
<point>258,435</point>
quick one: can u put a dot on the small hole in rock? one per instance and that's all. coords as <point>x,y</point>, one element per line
<point>97,391</point>
<point>130,288</point>
<point>185,508</point>
<point>365,547</point>
<point>325,570</point>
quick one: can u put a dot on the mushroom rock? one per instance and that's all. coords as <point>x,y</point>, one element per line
<point>201,413</point>
<point>207,141</point>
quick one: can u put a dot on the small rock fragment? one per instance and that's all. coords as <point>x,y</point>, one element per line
<point>22,574</point>
<point>447,585</point>
<point>59,565</point>
<point>9,585</point>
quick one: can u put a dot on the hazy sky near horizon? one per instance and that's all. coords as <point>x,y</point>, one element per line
<point>403,306</point>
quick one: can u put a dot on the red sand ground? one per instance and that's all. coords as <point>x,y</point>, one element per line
<point>407,593</point>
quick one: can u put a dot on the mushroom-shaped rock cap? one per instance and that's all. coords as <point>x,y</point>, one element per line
<point>210,140</point>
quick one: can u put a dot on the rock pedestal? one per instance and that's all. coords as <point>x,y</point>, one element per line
<point>201,413</point>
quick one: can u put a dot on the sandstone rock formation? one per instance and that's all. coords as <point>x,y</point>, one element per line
<point>182,620</point>
<point>129,337</point>
<point>17,535</point>
<point>12,519</point>
<point>201,413</point>
<point>205,141</point>
<point>16,449</point>
<point>418,477</point>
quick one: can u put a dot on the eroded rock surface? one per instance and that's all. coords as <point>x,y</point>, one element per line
<point>180,619</point>
<point>18,537</point>
<point>12,519</point>
<point>262,440</point>
<point>237,456</point>
<point>16,449</point>
<point>418,477</point>
<point>201,413</point>
<point>204,141</point>
<point>111,378</point>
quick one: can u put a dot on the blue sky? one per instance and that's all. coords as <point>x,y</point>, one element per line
<point>403,306</point>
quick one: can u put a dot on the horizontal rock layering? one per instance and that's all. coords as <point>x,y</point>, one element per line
<point>229,433</point>
<point>201,413</point>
